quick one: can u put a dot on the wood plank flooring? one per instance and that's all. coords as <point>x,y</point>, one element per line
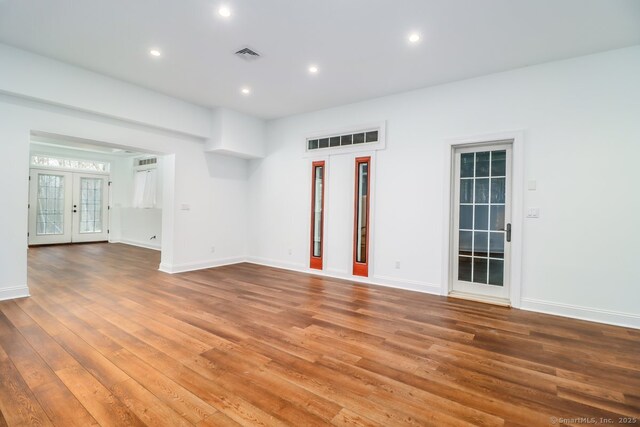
<point>107,340</point>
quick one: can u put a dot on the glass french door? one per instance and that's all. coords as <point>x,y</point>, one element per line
<point>66,207</point>
<point>90,204</point>
<point>482,221</point>
<point>50,217</point>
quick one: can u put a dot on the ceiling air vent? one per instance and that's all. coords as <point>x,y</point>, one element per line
<point>247,54</point>
<point>149,161</point>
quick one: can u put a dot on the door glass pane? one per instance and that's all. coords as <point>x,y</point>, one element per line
<point>481,220</point>
<point>466,191</point>
<point>317,211</point>
<point>481,241</point>
<point>464,268</point>
<point>466,217</point>
<point>497,217</point>
<point>499,163</point>
<point>496,272</point>
<point>496,245</point>
<point>480,244</point>
<point>466,242</point>
<point>90,205</point>
<point>498,190</point>
<point>50,205</point>
<point>361,212</point>
<point>466,165</point>
<point>482,191</point>
<point>480,270</point>
<point>482,163</point>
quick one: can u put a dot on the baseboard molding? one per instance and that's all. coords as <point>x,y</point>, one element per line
<point>14,292</point>
<point>584,313</point>
<point>193,266</point>
<point>409,285</point>
<point>137,243</point>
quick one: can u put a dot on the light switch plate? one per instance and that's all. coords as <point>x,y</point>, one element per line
<point>533,213</point>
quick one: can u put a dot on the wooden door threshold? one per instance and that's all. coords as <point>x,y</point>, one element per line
<point>480,298</point>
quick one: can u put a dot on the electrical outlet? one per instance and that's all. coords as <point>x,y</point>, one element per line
<point>213,249</point>
<point>290,251</point>
<point>398,265</point>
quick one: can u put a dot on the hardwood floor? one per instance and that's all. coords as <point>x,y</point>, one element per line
<point>106,339</point>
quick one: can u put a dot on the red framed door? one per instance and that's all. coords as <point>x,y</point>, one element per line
<point>317,215</point>
<point>361,225</point>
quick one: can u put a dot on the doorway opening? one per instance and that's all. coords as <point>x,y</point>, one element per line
<point>84,191</point>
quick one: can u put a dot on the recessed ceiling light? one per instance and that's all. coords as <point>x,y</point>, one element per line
<point>313,69</point>
<point>155,52</point>
<point>245,91</point>
<point>414,37</point>
<point>224,11</point>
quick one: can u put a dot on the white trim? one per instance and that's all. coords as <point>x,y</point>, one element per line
<point>381,144</point>
<point>388,282</point>
<point>192,266</point>
<point>137,243</point>
<point>584,313</point>
<point>517,138</point>
<point>14,292</point>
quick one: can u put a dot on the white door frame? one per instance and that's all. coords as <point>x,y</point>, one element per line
<point>515,275</point>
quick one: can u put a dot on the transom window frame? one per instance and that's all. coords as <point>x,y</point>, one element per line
<point>106,163</point>
<point>381,144</point>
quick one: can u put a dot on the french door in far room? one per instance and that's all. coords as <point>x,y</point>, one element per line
<point>67,207</point>
<point>481,232</point>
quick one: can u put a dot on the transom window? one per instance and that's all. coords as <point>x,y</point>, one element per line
<point>343,140</point>
<point>65,163</point>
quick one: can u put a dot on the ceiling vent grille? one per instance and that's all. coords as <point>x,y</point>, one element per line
<point>150,161</point>
<point>247,54</point>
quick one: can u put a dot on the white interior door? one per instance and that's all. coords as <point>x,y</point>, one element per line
<point>90,204</point>
<point>50,215</point>
<point>481,233</point>
<point>67,207</point>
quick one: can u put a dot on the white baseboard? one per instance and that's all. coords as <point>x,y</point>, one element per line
<point>14,292</point>
<point>192,266</point>
<point>140,244</point>
<point>410,285</point>
<point>584,313</point>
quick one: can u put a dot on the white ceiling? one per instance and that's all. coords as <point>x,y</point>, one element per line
<point>360,46</point>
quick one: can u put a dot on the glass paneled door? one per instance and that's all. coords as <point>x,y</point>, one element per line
<point>89,208</point>
<point>482,221</point>
<point>67,207</point>
<point>50,194</point>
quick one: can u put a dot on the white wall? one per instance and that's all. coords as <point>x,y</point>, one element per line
<point>135,226</point>
<point>236,134</point>
<point>581,123</point>
<point>33,76</point>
